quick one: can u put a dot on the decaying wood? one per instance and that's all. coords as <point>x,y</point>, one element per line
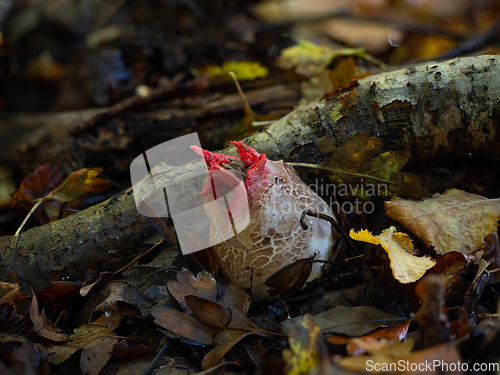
<point>432,111</point>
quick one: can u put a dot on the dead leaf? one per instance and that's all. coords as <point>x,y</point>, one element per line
<point>225,340</point>
<point>112,319</point>
<point>397,332</point>
<point>449,266</point>
<point>96,342</point>
<point>38,184</point>
<point>208,313</point>
<point>290,279</point>
<point>304,353</point>
<point>78,183</point>
<point>344,72</point>
<point>182,324</point>
<point>310,59</point>
<point>9,292</point>
<point>357,169</point>
<point>396,357</point>
<point>42,325</point>
<point>10,320</point>
<point>203,286</point>
<point>122,291</point>
<point>60,293</point>
<point>238,302</point>
<point>406,268</point>
<point>350,321</point>
<point>453,221</point>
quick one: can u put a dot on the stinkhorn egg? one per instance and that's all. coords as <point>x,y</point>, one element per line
<point>274,237</point>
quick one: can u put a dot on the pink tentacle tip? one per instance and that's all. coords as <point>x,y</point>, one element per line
<point>210,157</point>
<point>247,154</point>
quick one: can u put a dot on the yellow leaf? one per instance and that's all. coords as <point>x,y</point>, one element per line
<point>453,221</point>
<point>406,268</point>
<point>244,70</point>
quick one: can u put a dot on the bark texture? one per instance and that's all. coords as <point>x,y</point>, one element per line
<point>433,111</point>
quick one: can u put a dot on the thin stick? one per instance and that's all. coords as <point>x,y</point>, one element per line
<point>19,230</point>
<point>242,95</point>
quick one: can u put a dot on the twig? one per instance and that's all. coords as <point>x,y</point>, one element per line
<point>332,221</point>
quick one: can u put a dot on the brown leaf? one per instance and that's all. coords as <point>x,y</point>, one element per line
<point>449,266</point>
<point>434,327</point>
<point>182,324</point>
<point>397,332</point>
<point>453,221</point>
<point>290,279</point>
<point>38,184</point>
<point>208,313</point>
<point>60,293</point>
<point>97,343</point>
<point>9,292</point>
<point>112,319</point>
<point>238,302</point>
<point>88,288</point>
<point>225,340</point>
<point>121,291</point>
<point>389,356</point>
<point>203,286</point>
<point>351,321</point>
<point>42,325</point>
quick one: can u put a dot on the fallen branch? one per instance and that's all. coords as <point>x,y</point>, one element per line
<point>433,111</point>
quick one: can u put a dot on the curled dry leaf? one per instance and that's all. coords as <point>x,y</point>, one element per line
<point>96,342</point>
<point>453,221</point>
<point>42,325</point>
<point>406,268</point>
